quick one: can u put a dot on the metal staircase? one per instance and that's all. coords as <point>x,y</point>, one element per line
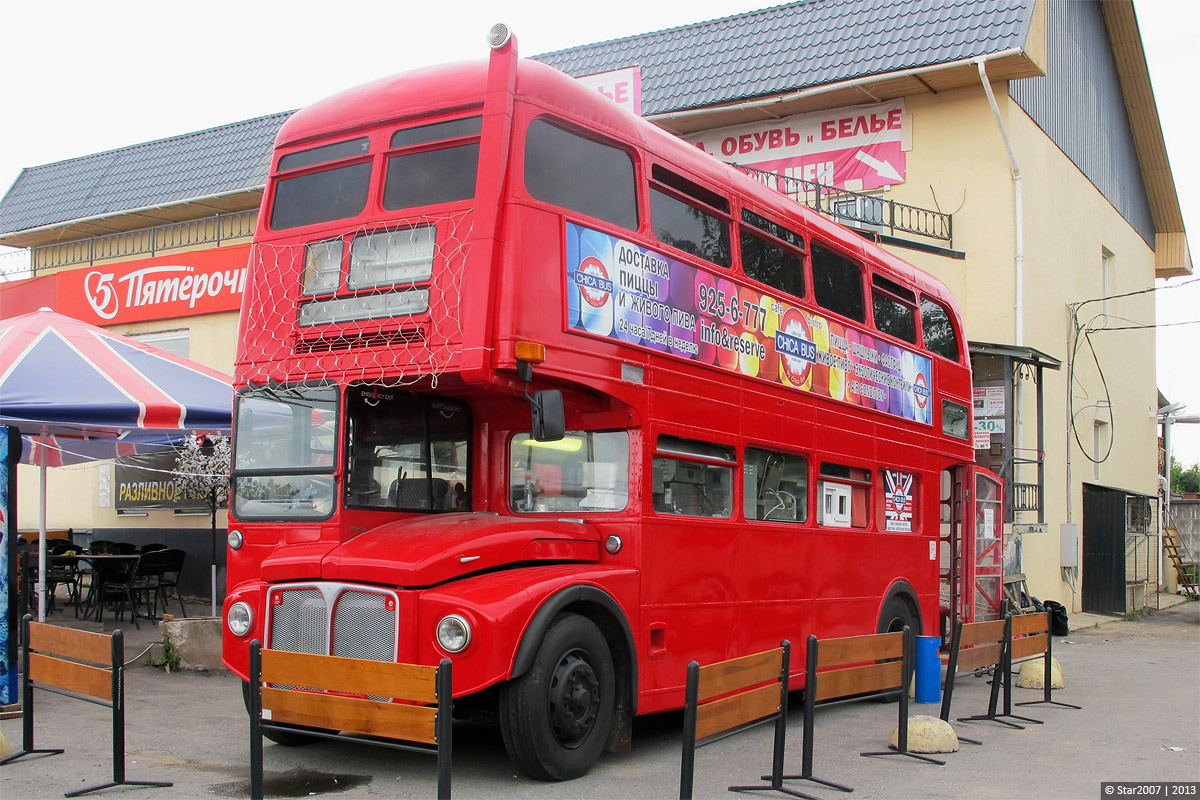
<point>1181,559</point>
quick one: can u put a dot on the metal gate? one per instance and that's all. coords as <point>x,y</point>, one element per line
<point>1103,590</point>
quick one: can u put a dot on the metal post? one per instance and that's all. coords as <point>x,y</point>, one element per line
<point>118,692</point>
<point>906,674</point>
<point>688,764</point>
<point>444,726</point>
<point>810,707</point>
<point>781,719</point>
<point>256,748</point>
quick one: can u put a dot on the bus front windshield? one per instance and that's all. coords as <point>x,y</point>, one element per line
<point>284,453</point>
<point>407,452</point>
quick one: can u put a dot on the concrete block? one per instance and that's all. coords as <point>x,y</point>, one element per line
<point>927,735</point>
<point>1033,675</point>
<point>197,641</point>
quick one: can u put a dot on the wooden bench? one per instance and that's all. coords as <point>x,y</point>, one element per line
<point>83,665</point>
<point>974,646</point>
<point>855,668</point>
<point>350,699</point>
<point>1030,638</point>
<point>729,697</point>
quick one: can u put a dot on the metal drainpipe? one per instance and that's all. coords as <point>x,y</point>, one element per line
<point>1018,209</point>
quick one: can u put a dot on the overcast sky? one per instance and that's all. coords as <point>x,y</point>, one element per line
<point>81,77</point>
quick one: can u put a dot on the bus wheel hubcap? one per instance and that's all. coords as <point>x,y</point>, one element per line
<point>574,699</point>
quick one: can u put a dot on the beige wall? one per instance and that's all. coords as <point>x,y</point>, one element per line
<point>959,164</point>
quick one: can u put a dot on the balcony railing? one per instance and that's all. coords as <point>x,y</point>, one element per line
<point>147,241</point>
<point>858,209</point>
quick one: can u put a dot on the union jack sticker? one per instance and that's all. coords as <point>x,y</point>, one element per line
<point>898,502</point>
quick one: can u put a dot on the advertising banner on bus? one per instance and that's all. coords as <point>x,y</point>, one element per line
<point>622,291</point>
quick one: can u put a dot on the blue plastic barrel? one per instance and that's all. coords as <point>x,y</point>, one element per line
<point>929,670</point>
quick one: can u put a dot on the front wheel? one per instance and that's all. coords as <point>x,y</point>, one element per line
<point>556,717</point>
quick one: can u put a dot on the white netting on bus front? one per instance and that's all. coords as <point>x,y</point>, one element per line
<point>377,305</point>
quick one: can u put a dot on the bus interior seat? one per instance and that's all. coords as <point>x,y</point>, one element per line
<point>414,493</point>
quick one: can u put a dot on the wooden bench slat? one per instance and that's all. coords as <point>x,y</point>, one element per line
<point>356,715</point>
<point>858,680</point>
<point>857,649</point>
<point>729,712</point>
<point>1027,624</point>
<point>1029,646</point>
<point>72,676</point>
<point>350,675</point>
<point>982,655</point>
<point>738,673</point>
<point>71,643</point>
<point>974,633</point>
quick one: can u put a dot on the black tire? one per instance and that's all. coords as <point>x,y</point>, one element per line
<point>556,717</point>
<point>895,615</point>
<point>278,737</point>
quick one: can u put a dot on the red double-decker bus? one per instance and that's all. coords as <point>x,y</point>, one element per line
<point>527,382</point>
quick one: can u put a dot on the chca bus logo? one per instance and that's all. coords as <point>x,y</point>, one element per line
<point>794,343</point>
<point>921,390</point>
<point>593,282</point>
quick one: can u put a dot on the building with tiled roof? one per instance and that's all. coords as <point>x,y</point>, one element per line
<point>1009,147</point>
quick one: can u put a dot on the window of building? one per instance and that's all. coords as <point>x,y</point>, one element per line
<point>772,254</point>
<point>837,283</point>
<point>865,212</point>
<point>938,330</point>
<point>580,174</point>
<point>775,486</point>
<point>843,496</point>
<point>688,216</point>
<point>176,342</point>
<point>692,478</point>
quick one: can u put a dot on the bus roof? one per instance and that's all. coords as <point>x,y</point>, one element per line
<point>445,87</point>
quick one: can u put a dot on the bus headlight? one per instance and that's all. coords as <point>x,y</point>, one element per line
<point>454,633</point>
<point>239,619</point>
<point>235,540</point>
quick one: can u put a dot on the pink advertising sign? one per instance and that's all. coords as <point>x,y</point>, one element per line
<point>622,86</point>
<point>858,148</point>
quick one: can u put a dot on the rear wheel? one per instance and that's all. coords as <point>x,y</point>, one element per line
<point>556,717</point>
<point>896,614</point>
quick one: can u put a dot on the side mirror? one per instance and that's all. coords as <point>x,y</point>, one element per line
<point>549,419</point>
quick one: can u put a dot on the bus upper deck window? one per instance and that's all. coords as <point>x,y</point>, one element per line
<point>324,196</point>
<point>938,330</point>
<point>686,223</point>
<point>837,283</point>
<point>894,308</point>
<point>772,254</point>
<point>580,174</point>
<point>431,176</point>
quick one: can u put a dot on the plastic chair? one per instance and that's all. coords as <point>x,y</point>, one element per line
<point>115,578</point>
<point>169,579</point>
<point>62,571</point>
<point>143,584</point>
<point>152,546</point>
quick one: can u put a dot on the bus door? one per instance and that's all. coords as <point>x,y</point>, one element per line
<point>972,547</point>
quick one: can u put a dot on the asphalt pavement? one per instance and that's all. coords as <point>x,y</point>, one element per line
<point>1138,683</point>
